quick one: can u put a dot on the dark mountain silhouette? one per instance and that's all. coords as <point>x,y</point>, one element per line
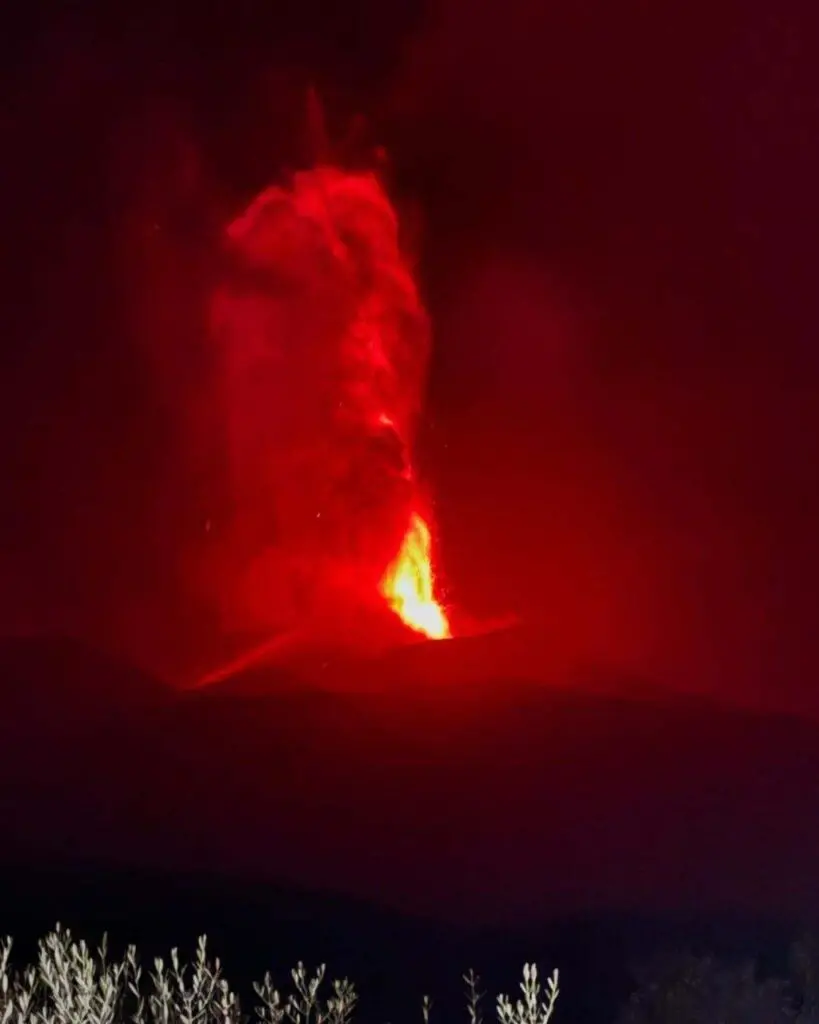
<point>394,958</point>
<point>488,799</point>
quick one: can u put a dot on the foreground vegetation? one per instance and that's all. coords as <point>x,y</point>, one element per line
<point>71,984</point>
<point>687,989</point>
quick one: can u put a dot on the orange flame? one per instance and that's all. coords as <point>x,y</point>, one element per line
<point>409,584</point>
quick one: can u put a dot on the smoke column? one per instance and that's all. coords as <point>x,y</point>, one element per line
<point>323,346</point>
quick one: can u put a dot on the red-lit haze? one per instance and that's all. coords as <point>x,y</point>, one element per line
<point>323,345</point>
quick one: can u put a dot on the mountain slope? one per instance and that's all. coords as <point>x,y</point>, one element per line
<point>488,799</point>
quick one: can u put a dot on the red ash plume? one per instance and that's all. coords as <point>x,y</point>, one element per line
<point>323,352</point>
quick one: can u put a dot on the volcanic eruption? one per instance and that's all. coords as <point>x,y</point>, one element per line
<point>323,345</point>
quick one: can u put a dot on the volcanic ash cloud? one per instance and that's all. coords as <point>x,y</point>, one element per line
<point>323,345</point>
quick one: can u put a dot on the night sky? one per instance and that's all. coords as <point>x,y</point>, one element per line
<point>615,207</point>
<point>616,213</point>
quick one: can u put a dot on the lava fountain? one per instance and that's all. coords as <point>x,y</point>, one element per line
<point>409,584</point>
<point>323,345</point>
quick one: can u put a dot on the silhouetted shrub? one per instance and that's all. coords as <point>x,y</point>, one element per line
<point>72,984</point>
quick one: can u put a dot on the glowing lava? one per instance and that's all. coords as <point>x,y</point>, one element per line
<point>409,584</point>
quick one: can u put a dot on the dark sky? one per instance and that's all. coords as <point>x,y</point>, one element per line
<point>619,234</point>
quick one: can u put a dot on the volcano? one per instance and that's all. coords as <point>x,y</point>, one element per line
<point>429,779</point>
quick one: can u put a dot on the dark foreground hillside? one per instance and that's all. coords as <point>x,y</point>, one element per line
<point>445,817</point>
<point>393,958</point>
<point>484,800</point>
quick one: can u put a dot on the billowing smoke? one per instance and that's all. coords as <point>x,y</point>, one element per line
<point>322,351</point>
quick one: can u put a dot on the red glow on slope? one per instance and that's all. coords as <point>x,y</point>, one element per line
<point>409,584</point>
